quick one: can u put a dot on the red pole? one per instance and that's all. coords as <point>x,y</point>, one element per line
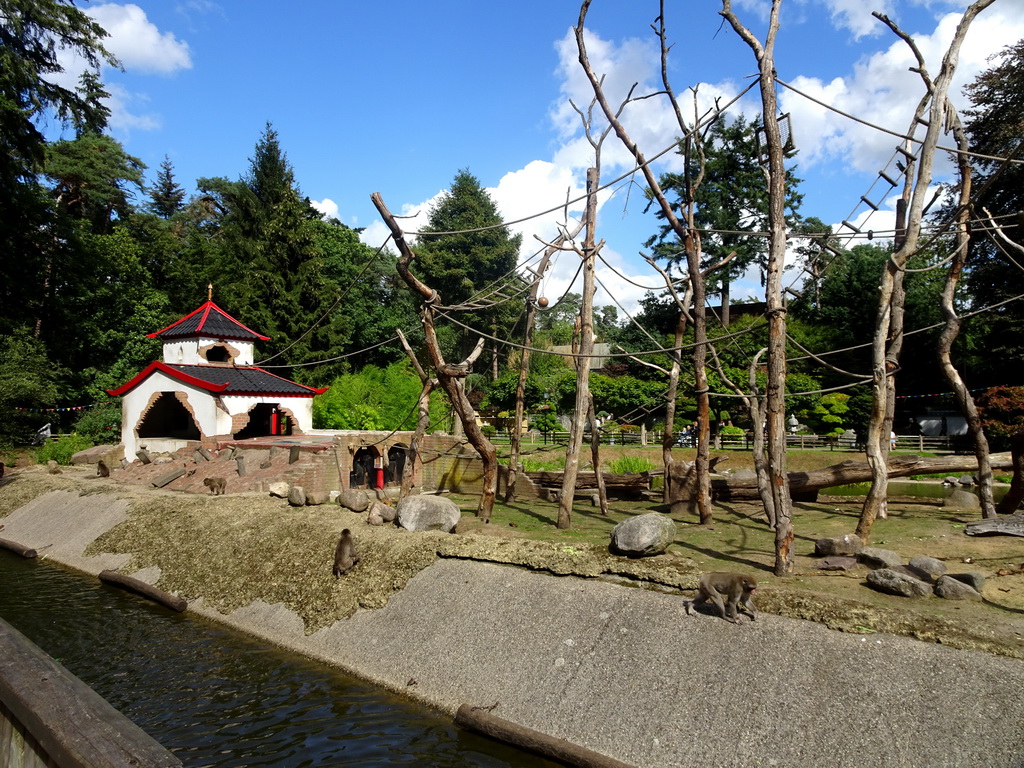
<point>273,422</point>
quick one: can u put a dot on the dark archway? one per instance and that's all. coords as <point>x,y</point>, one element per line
<point>167,417</point>
<point>218,354</point>
<point>364,469</point>
<point>265,419</point>
<point>396,465</point>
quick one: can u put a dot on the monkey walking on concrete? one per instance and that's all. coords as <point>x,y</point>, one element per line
<point>345,556</point>
<point>721,587</point>
<point>216,484</point>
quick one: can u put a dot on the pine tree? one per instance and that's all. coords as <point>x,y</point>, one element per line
<point>473,265</point>
<point>166,196</point>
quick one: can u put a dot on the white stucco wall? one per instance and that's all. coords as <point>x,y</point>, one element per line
<point>186,351</point>
<point>213,415</point>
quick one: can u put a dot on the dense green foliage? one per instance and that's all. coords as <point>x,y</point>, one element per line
<point>376,398</point>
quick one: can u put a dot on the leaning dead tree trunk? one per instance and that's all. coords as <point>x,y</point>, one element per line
<point>414,467</point>
<point>586,353</point>
<point>885,346</point>
<point>952,328</point>
<point>775,405</point>
<point>450,377</point>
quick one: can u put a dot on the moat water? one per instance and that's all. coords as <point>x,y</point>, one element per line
<point>217,697</point>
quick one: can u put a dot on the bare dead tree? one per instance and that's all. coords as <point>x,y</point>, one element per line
<point>414,466</point>
<point>586,352</point>
<point>952,327</point>
<point>687,235</point>
<point>450,377</point>
<point>888,335</point>
<point>775,406</point>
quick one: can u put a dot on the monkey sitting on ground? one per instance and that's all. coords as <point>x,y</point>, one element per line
<point>102,470</point>
<point>345,556</point>
<point>216,484</point>
<point>722,586</point>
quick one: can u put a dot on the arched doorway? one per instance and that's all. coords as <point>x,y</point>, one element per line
<point>396,465</point>
<point>364,472</point>
<point>265,419</point>
<point>167,417</point>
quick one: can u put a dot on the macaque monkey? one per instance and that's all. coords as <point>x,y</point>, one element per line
<point>102,470</point>
<point>720,587</point>
<point>345,556</point>
<point>216,484</point>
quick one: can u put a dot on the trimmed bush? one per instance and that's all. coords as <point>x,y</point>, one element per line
<point>63,449</point>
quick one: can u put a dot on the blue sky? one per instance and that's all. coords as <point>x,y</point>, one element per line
<point>397,97</point>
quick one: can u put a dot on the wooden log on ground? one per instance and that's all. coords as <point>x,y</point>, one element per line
<point>140,587</point>
<point>163,480</point>
<point>802,485</point>
<point>70,725</point>
<point>587,480</point>
<point>482,721</point>
<point>16,548</point>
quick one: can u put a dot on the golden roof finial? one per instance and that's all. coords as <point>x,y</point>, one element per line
<point>209,292</point>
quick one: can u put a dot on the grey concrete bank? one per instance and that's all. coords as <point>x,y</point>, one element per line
<point>623,672</point>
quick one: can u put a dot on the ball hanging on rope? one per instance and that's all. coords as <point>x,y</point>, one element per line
<point>542,302</point>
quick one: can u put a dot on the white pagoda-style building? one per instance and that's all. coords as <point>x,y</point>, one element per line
<point>206,389</point>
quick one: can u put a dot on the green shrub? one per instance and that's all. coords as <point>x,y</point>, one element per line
<point>489,430</point>
<point>731,431</point>
<point>63,449</point>
<point>101,424</point>
<point>542,465</point>
<point>630,464</point>
<point>632,428</point>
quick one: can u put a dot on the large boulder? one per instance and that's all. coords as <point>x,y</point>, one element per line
<point>952,588</point>
<point>354,499</point>
<point>847,544</point>
<point>961,499</point>
<point>873,557</point>
<point>297,496</point>
<point>428,513</point>
<point>643,535</point>
<point>927,568</point>
<point>894,582</point>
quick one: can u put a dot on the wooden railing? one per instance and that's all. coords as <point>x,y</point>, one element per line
<point>51,719</point>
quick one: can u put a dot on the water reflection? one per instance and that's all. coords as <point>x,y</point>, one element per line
<point>216,697</point>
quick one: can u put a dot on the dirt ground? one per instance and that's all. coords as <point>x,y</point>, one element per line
<point>234,549</point>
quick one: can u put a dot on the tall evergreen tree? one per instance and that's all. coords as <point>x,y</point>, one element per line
<point>731,201</point>
<point>166,197</point>
<point>471,261</point>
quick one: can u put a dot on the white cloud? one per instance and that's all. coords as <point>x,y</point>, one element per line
<point>882,91</point>
<point>137,42</point>
<point>327,208</point>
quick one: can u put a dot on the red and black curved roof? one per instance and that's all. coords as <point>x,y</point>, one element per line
<point>223,380</point>
<point>210,321</point>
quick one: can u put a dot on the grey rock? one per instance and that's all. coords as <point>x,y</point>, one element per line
<point>333,496</point>
<point>966,480</point>
<point>297,496</point>
<point>961,499</point>
<point>893,582</point>
<point>316,498</point>
<point>279,489</point>
<point>848,544</point>
<point>162,460</point>
<point>838,563</point>
<point>383,511</point>
<point>973,579</point>
<point>52,467</point>
<point>949,480</point>
<point>954,589</point>
<point>428,513</point>
<point>374,519</point>
<point>927,568</point>
<point>643,535</point>
<point>873,557</point>
<point>354,499</point>
<point>744,474</point>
